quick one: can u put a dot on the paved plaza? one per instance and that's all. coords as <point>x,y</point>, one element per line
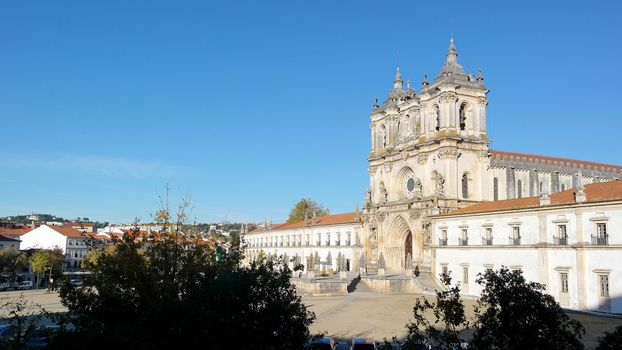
<point>361,313</point>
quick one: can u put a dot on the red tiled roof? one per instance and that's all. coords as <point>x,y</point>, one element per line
<point>67,231</point>
<point>15,231</point>
<point>596,192</point>
<point>335,219</point>
<point>553,160</point>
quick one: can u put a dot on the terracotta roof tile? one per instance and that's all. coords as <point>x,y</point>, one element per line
<point>553,160</point>
<point>596,192</point>
<point>336,219</point>
<point>15,231</point>
<point>67,231</point>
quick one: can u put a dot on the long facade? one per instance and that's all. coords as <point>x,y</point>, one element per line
<point>570,241</point>
<point>316,243</point>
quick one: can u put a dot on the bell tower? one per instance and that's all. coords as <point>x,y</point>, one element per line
<point>429,154</point>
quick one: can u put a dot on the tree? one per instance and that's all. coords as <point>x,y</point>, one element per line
<point>514,314</point>
<point>38,264</point>
<point>44,260</point>
<point>167,290</point>
<point>306,208</point>
<point>448,320</point>
<point>12,262</point>
<point>611,340</point>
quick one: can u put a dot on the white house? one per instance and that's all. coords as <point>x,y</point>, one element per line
<point>325,237</point>
<point>570,241</point>
<point>70,240</point>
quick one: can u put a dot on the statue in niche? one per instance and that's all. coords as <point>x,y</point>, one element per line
<point>383,193</point>
<point>440,184</point>
<point>418,189</point>
<point>369,200</point>
<point>373,239</point>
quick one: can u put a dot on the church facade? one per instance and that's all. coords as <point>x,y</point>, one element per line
<point>430,155</point>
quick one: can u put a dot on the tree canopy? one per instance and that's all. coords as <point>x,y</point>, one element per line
<point>167,290</point>
<point>510,314</point>
<point>306,208</point>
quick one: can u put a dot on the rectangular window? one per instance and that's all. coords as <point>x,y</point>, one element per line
<point>487,240</point>
<point>465,275</point>
<point>328,239</point>
<point>604,285</point>
<point>563,277</point>
<point>464,237</point>
<point>601,234</point>
<point>515,238</point>
<point>442,240</point>
<point>319,239</point>
<point>348,241</point>
<point>445,270</point>
<point>562,235</point>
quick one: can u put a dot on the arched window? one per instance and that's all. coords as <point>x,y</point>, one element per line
<point>520,189</point>
<point>463,111</point>
<point>495,189</point>
<point>437,115</point>
<point>465,186</point>
<point>383,135</point>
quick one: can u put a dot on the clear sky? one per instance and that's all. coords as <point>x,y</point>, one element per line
<point>249,106</point>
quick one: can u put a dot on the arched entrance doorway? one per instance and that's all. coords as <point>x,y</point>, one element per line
<point>408,247</point>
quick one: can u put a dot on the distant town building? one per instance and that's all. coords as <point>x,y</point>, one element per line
<point>8,242</point>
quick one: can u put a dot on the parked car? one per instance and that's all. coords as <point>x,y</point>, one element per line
<point>23,285</point>
<point>5,285</point>
<point>324,343</point>
<point>7,332</point>
<point>342,346</point>
<point>362,344</point>
<point>40,337</point>
<point>76,282</point>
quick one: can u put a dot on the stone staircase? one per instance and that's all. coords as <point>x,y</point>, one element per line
<point>426,281</point>
<point>372,268</point>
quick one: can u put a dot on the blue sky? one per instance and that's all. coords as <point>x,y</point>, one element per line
<point>249,106</point>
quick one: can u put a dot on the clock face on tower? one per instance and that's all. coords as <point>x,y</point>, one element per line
<point>408,184</point>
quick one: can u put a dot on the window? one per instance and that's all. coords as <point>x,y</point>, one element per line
<point>495,189</point>
<point>465,275</point>
<point>463,109</point>
<point>338,241</point>
<point>319,239</point>
<point>349,237</point>
<point>601,234</point>
<point>515,237</point>
<point>541,187</point>
<point>328,239</point>
<point>520,188</point>
<point>442,240</point>
<point>464,237</point>
<point>563,187</point>
<point>562,236</point>
<point>445,270</point>
<point>437,115</point>
<point>563,278</point>
<point>465,186</point>
<point>604,285</point>
<point>488,236</point>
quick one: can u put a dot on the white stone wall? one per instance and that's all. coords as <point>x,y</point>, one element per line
<point>540,256</point>
<point>340,238</point>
